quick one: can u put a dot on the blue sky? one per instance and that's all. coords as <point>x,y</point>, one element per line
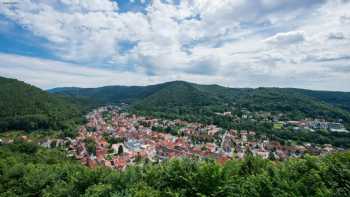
<point>236,43</point>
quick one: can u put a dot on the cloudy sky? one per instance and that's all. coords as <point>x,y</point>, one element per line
<point>236,43</point>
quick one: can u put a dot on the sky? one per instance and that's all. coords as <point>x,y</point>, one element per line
<point>234,43</point>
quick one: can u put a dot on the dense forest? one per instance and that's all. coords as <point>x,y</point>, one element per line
<point>28,170</point>
<point>25,107</point>
<point>175,96</point>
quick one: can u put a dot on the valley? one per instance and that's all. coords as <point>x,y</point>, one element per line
<point>167,138</point>
<point>118,139</point>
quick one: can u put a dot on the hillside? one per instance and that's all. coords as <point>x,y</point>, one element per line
<point>177,93</point>
<point>291,101</point>
<point>107,94</point>
<point>166,94</point>
<point>340,99</point>
<point>183,97</point>
<point>23,106</point>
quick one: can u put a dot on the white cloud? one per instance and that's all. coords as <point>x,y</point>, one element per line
<point>336,36</point>
<point>286,38</point>
<point>233,42</point>
<point>90,5</point>
<point>48,74</point>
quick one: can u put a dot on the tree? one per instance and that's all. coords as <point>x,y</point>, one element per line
<point>271,156</point>
<point>98,190</point>
<point>120,150</point>
<point>90,146</point>
<point>46,172</point>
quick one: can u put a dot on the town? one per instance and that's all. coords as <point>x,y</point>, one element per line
<point>117,139</point>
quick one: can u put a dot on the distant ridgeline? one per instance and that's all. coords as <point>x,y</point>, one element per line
<point>25,107</point>
<point>188,100</point>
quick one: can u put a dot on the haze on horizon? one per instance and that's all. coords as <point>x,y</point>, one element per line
<point>235,43</point>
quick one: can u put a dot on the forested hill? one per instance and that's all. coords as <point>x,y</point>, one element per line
<point>23,106</point>
<point>341,99</point>
<point>183,97</point>
<point>178,92</point>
